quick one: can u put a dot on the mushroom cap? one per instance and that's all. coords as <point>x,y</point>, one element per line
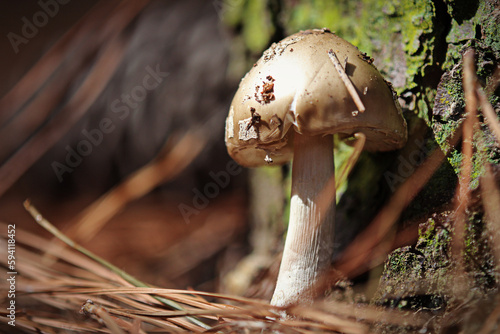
<point>295,84</point>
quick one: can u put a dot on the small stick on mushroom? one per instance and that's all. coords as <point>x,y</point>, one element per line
<point>347,82</point>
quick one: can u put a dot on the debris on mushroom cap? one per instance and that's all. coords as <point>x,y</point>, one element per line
<point>247,131</point>
<point>279,48</point>
<point>366,58</point>
<point>230,124</point>
<point>265,95</point>
<point>301,90</point>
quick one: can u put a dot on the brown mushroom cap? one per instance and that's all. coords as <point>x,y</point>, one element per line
<point>295,83</point>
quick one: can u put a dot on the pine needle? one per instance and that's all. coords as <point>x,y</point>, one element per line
<point>57,233</point>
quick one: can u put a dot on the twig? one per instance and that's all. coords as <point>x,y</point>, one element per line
<point>347,82</point>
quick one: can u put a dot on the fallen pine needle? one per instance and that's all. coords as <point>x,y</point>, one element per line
<point>57,233</point>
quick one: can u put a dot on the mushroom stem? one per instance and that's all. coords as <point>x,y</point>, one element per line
<point>309,242</point>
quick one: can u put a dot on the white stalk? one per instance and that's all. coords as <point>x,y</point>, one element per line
<point>309,242</point>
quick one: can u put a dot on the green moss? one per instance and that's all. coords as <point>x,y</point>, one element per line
<point>455,160</point>
<point>413,20</point>
<point>452,99</point>
<point>416,278</point>
<point>449,107</point>
<point>404,262</point>
<point>479,22</point>
<point>433,242</point>
<point>487,21</point>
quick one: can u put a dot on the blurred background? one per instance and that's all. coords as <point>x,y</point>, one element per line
<point>91,92</point>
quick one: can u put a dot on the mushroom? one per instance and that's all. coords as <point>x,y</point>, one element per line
<point>291,103</point>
